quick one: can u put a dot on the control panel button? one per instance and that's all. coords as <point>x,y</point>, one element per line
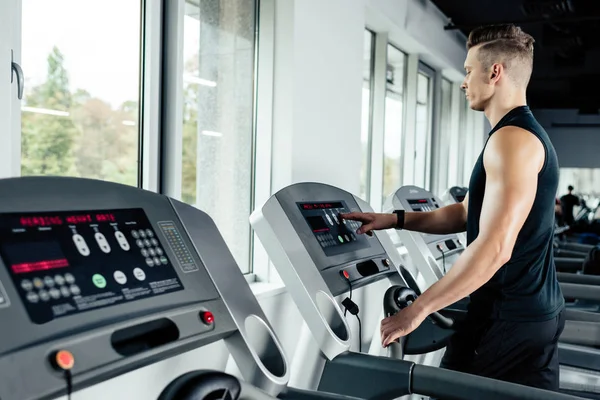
<point>81,245</point>
<point>38,283</point>
<point>33,297</point>
<point>135,234</point>
<point>149,262</point>
<point>75,290</point>
<point>54,293</point>
<point>69,278</point>
<point>159,251</point>
<point>154,242</point>
<point>59,280</point>
<point>139,274</point>
<point>63,360</point>
<point>156,261</point>
<point>142,233</point>
<point>147,243</point>
<point>164,260</point>
<point>207,317</point>
<point>149,233</point>
<point>65,291</point>
<point>145,253</point>
<point>140,243</point>
<point>26,285</point>
<point>122,240</point>
<point>48,281</point>
<point>120,277</point>
<point>152,252</point>
<point>99,281</point>
<point>102,243</point>
<point>45,296</point>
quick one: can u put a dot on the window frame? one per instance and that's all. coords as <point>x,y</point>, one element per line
<point>404,96</point>
<point>171,135</point>
<point>428,71</point>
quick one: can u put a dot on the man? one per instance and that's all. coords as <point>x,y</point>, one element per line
<point>567,202</point>
<point>515,312</point>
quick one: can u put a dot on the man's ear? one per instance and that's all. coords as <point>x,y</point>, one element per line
<point>496,72</point>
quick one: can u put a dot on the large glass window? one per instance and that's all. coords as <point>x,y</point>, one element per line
<point>423,128</point>
<point>218,116</point>
<point>365,133</point>
<point>394,121</point>
<point>445,138</point>
<point>462,142</point>
<point>80,110</point>
<point>586,184</point>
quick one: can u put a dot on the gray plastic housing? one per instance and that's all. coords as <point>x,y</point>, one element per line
<point>424,249</point>
<point>311,277</point>
<point>216,285</point>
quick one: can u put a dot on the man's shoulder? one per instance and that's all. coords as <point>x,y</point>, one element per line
<point>513,144</point>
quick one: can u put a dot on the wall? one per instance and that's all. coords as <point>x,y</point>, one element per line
<point>317,92</point>
<point>577,147</point>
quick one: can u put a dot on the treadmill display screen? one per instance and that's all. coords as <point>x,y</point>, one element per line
<point>64,263</point>
<point>422,205</point>
<point>334,236</point>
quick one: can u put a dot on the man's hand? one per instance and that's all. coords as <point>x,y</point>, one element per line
<point>400,324</point>
<point>371,221</point>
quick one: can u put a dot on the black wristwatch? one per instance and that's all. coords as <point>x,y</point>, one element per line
<point>400,217</point>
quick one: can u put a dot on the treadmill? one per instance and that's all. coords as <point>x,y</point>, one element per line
<point>580,365</point>
<point>318,256</point>
<point>98,279</point>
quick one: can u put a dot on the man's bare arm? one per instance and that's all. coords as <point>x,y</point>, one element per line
<point>512,161</point>
<point>445,220</point>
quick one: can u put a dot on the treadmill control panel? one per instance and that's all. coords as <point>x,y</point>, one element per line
<point>423,204</point>
<point>63,263</point>
<point>334,236</point>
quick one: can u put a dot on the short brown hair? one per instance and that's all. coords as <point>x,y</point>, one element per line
<point>506,44</point>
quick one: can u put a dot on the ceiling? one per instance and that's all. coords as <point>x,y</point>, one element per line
<point>567,49</point>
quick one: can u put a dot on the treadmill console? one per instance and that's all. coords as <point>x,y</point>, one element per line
<point>100,279</point>
<point>431,254</point>
<point>68,262</point>
<point>334,236</point>
<point>340,254</point>
<point>423,204</point>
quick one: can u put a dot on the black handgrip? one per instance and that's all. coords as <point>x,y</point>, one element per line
<point>398,297</point>
<point>202,384</point>
<point>442,321</point>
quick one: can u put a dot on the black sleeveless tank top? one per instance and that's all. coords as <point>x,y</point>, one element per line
<point>526,287</point>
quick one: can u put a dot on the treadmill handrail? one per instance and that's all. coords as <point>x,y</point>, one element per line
<point>452,385</point>
<point>376,377</point>
<point>567,277</point>
<point>582,292</point>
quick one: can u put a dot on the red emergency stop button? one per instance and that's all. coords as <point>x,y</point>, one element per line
<point>64,360</point>
<point>346,274</point>
<point>207,317</point>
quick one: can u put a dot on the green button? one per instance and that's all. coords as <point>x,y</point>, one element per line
<point>341,239</point>
<point>99,281</point>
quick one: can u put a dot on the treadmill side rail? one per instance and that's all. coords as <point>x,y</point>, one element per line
<point>452,385</point>
<point>366,376</point>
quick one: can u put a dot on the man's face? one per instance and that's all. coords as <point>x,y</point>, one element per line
<point>478,86</point>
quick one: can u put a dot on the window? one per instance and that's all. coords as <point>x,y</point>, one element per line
<point>462,142</point>
<point>445,138</point>
<point>394,120</point>
<point>585,182</point>
<point>365,133</point>
<point>423,128</point>
<point>80,109</point>
<point>218,116</point>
